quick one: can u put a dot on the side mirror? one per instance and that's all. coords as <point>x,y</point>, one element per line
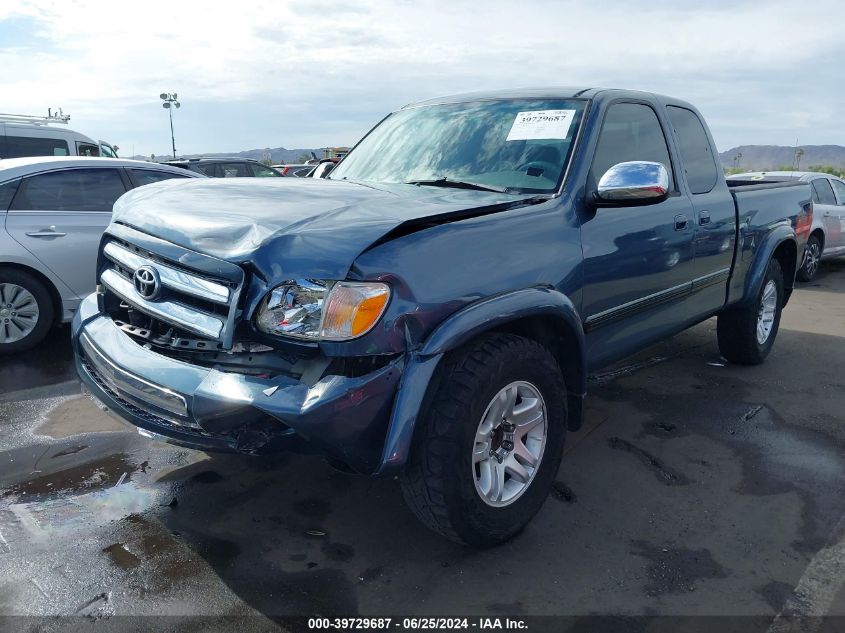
<point>634,182</point>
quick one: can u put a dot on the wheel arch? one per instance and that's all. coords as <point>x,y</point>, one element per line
<point>782,246</point>
<point>542,314</point>
<point>786,254</point>
<point>819,233</point>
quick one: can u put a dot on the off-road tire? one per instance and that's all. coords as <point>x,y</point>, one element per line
<point>736,328</point>
<point>439,484</point>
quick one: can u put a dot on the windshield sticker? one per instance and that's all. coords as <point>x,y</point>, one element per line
<point>541,124</point>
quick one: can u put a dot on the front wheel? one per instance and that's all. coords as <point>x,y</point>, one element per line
<point>490,441</point>
<point>747,333</point>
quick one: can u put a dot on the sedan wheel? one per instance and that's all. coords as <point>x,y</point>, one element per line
<point>26,310</point>
<point>18,313</point>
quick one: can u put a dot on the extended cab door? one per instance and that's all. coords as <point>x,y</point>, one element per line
<point>714,216</point>
<point>638,260</point>
<point>59,217</point>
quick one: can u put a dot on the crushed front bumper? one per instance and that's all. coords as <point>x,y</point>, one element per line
<point>208,409</point>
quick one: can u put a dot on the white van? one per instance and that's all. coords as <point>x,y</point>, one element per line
<point>24,135</point>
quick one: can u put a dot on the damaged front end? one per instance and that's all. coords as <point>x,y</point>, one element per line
<point>183,362</point>
<point>248,400</point>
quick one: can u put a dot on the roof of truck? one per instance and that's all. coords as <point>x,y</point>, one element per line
<point>784,175</point>
<point>551,92</point>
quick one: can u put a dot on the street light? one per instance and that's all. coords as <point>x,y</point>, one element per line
<point>170,102</point>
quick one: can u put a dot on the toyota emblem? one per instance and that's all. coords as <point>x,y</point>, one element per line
<point>147,282</point>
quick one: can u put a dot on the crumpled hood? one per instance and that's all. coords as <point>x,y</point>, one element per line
<point>289,227</point>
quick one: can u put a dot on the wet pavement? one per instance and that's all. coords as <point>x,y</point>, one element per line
<point>696,488</point>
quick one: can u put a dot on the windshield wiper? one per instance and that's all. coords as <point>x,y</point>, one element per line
<point>457,184</point>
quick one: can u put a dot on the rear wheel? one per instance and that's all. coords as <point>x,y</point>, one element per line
<point>747,334</point>
<point>490,442</point>
<point>812,259</point>
<point>26,311</point>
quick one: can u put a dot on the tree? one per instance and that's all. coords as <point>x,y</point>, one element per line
<point>827,169</point>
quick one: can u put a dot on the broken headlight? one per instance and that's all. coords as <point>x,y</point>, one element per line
<point>314,310</point>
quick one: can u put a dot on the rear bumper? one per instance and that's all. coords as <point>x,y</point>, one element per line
<point>207,409</point>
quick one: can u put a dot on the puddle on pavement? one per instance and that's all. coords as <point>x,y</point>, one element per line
<point>45,520</point>
<point>79,498</point>
<point>77,415</point>
<point>82,478</point>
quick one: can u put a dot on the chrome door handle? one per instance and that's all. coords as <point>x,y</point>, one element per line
<point>703,218</point>
<point>681,222</point>
<point>48,232</point>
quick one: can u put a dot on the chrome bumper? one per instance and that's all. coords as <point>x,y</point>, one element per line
<point>210,409</point>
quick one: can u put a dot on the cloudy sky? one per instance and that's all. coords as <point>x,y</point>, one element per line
<point>309,73</point>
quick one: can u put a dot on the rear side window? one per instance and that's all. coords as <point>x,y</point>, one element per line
<point>147,176</point>
<point>631,131</point>
<point>20,146</point>
<point>822,191</point>
<point>7,192</point>
<point>839,187</point>
<point>695,149</point>
<point>70,190</point>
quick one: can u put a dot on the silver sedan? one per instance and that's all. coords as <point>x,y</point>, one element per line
<point>53,211</point>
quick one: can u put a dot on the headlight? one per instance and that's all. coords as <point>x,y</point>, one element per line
<point>314,310</point>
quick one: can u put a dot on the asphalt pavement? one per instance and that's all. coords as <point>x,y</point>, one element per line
<point>696,488</point>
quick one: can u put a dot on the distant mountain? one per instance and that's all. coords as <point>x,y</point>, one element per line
<point>760,157</point>
<point>277,154</point>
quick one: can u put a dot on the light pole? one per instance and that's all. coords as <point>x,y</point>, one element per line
<point>169,103</point>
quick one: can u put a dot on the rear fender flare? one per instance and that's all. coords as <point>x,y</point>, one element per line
<point>757,270</point>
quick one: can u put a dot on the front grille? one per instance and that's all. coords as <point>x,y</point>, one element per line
<point>144,414</point>
<point>191,300</point>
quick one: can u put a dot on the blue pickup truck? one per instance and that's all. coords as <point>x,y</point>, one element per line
<point>432,309</point>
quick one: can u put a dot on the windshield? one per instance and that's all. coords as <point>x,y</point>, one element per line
<point>520,145</point>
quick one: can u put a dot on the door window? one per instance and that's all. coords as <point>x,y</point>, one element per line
<point>630,132</point>
<point>209,169</point>
<point>822,191</point>
<point>839,187</point>
<point>7,192</point>
<point>87,149</point>
<point>20,146</point>
<point>695,149</point>
<point>234,170</point>
<point>70,190</point>
<point>260,171</point>
<point>147,176</point>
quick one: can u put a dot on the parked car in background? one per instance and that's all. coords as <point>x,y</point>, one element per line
<point>24,135</point>
<point>827,236</point>
<point>298,170</point>
<point>432,309</point>
<point>53,212</point>
<point>225,167</point>
<point>323,168</point>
